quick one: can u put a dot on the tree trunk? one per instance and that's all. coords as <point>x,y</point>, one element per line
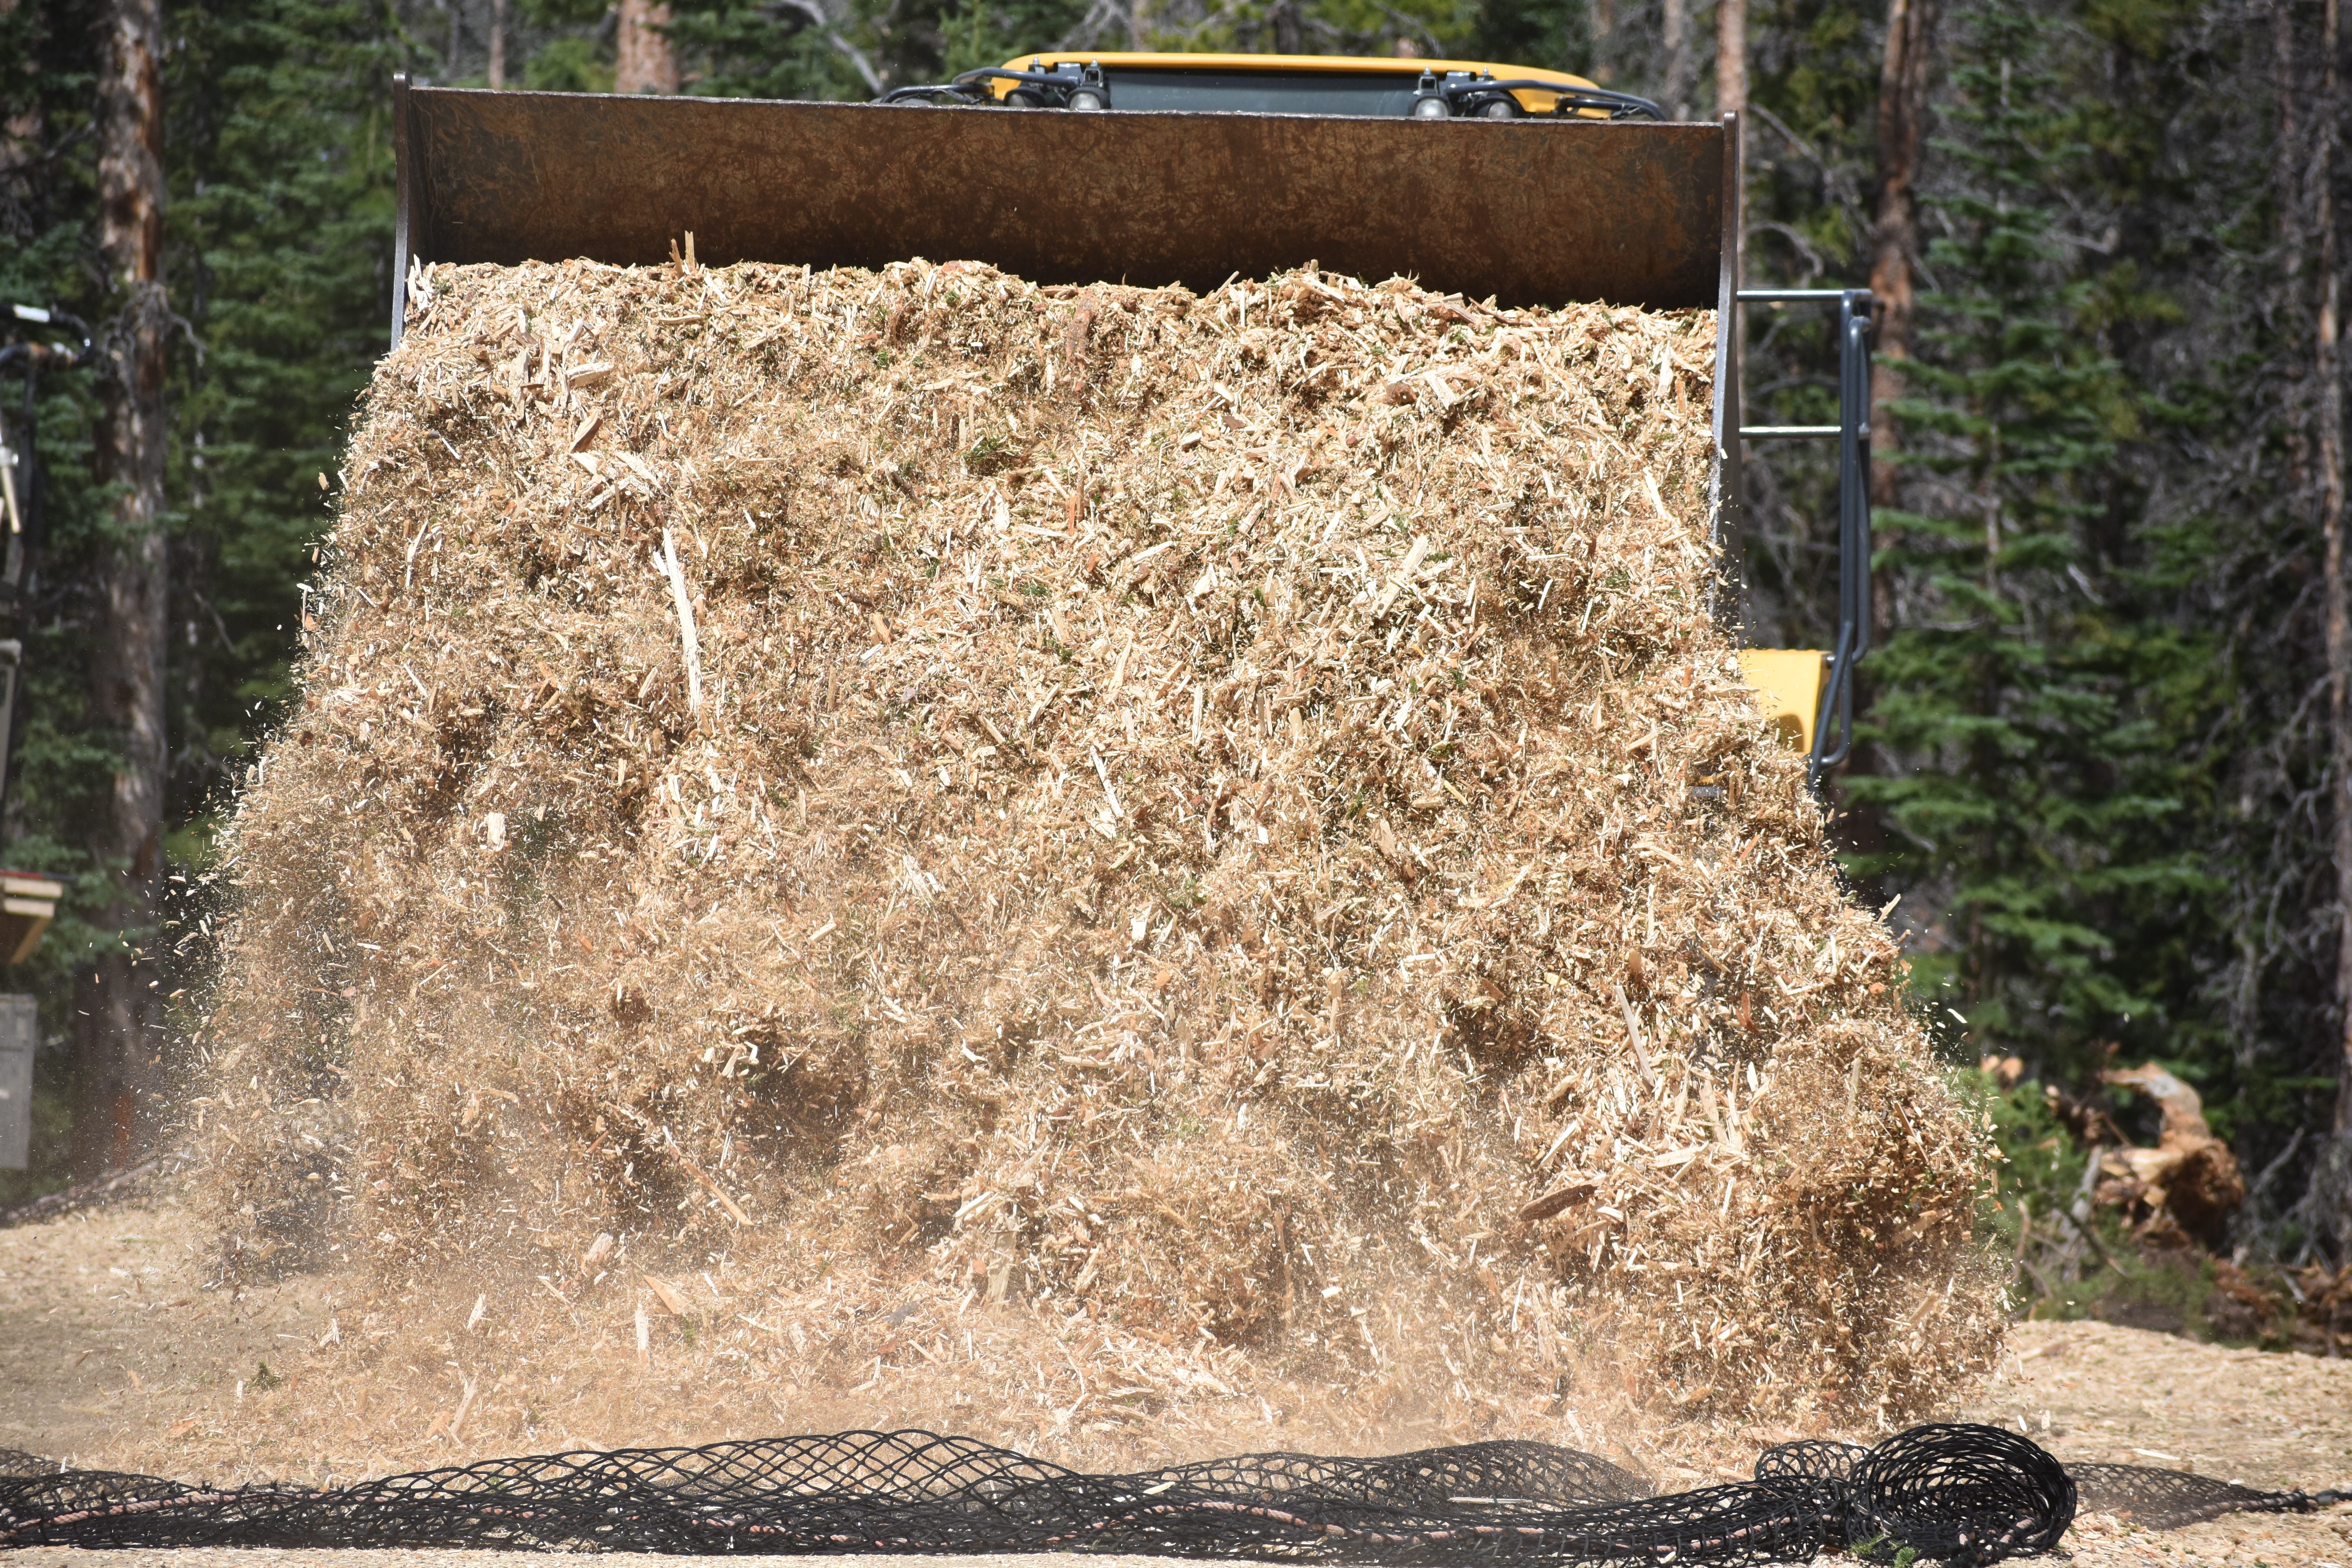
<point>2283,170</point>
<point>1894,248</point>
<point>2334,1187</point>
<point>1731,57</point>
<point>118,1055</point>
<point>20,152</point>
<point>645,62</point>
<point>1894,237</point>
<point>2286,185</point>
<point>1676,93</point>
<point>1288,39</point>
<point>497,44</point>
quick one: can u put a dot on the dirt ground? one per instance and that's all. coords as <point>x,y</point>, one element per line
<point>110,1347</point>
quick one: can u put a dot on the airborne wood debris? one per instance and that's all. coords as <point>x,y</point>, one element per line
<point>1095,802</point>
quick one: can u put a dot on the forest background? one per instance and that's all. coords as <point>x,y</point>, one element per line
<point>2103,777</point>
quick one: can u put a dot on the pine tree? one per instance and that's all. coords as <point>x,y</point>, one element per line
<point>281,233</point>
<point>2038,810</point>
<point>277,252</point>
<point>59,767</point>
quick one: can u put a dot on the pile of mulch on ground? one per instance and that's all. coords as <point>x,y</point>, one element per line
<point>1224,822</point>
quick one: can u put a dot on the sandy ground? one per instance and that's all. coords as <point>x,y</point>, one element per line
<point>108,1348</point>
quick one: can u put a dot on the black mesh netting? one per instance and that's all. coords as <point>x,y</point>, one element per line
<point>2166,1500</point>
<point>1959,1494</point>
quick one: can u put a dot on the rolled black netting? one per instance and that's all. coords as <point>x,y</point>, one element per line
<point>1958,1494</point>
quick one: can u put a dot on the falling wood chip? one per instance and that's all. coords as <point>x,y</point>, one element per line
<point>1560,1200</point>
<point>683,603</point>
<point>1397,585</point>
<point>1081,857</point>
<point>675,1305</point>
<point>734,1210</point>
<point>457,1420</point>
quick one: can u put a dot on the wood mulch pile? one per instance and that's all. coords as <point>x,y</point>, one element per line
<point>1225,823</point>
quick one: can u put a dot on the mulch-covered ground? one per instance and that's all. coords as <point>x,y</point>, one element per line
<point>111,1353</point>
<point>2094,1391</point>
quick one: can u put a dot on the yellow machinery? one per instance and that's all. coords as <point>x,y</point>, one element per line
<point>1788,682</point>
<point>1368,86</point>
<point>1516,184</point>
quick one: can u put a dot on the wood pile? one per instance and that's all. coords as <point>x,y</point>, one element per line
<point>1227,821</point>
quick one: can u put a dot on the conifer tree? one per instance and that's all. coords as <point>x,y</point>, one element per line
<point>2037,807</point>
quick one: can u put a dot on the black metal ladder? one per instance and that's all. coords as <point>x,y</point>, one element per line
<point>1852,433</point>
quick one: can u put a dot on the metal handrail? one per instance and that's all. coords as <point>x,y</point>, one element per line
<point>1856,309</point>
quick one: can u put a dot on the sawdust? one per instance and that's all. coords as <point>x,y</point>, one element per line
<point>1072,859</point>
